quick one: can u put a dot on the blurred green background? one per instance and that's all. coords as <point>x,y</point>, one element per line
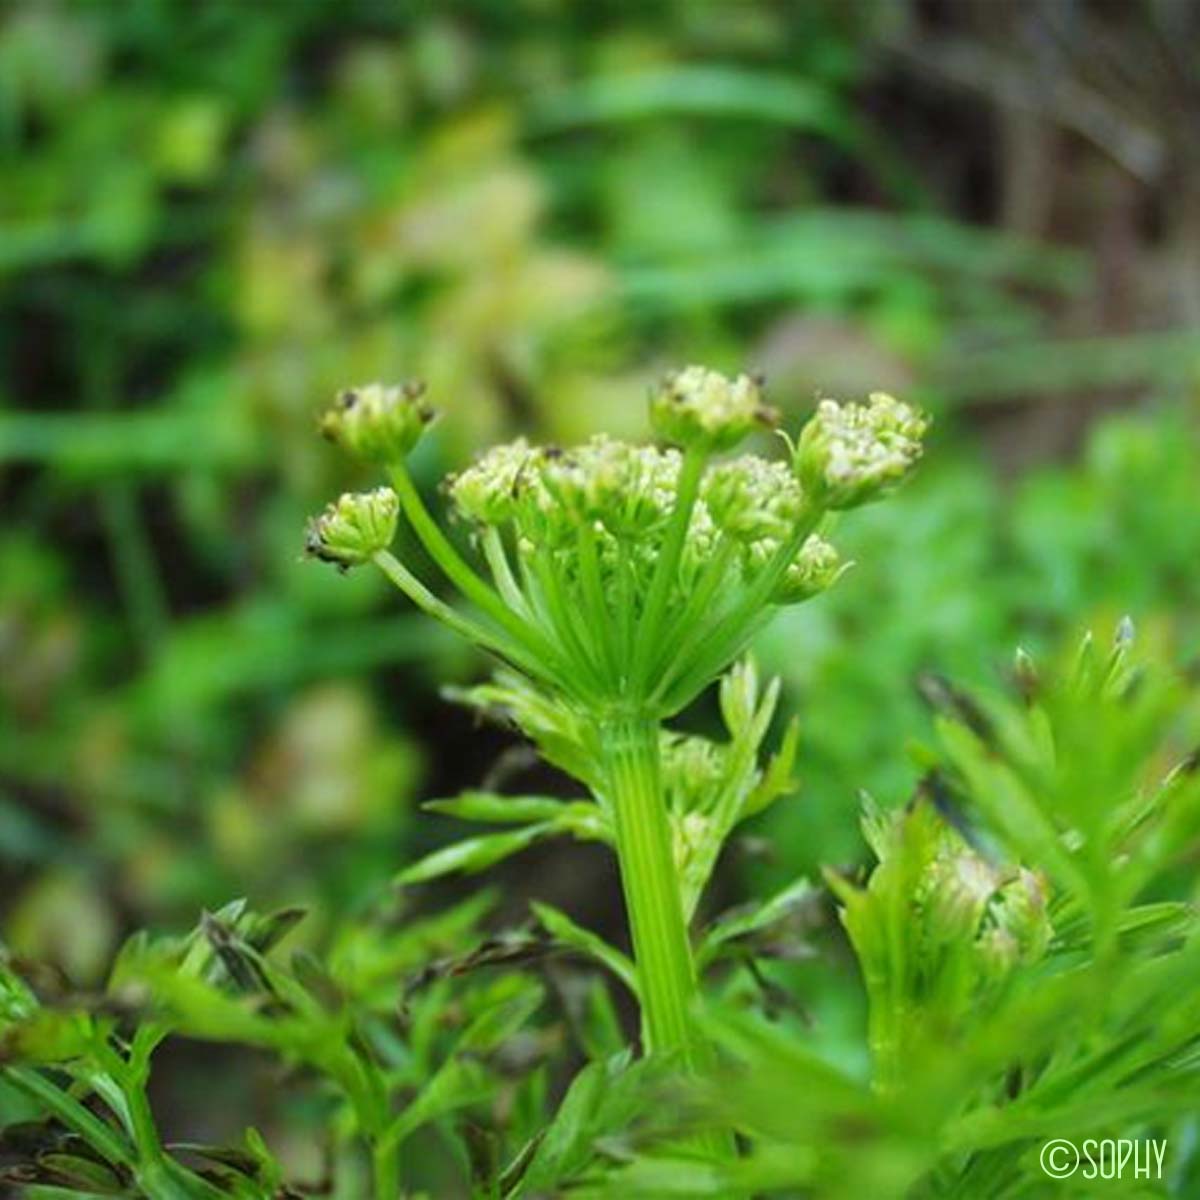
<point>214,215</point>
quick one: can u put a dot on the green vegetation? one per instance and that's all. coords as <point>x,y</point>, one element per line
<point>699,837</point>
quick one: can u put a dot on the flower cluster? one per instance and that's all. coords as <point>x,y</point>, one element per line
<point>622,570</point>
<point>753,499</point>
<point>849,454</point>
<point>617,582</point>
<point>699,407</point>
<point>1000,912</point>
<point>377,422</point>
<point>354,528</point>
<point>816,567</point>
<point>486,492</point>
<point>547,492</point>
<point>694,768</point>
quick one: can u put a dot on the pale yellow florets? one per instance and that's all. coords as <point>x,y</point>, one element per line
<point>849,454</point>
<point>486,492</point>
<point>815,569</point>
<point>752,498</point>
<point>699,407</point>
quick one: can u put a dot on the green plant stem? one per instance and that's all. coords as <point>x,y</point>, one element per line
<point>727,634</point>
<point>714,575</point>
<point>428,603</point>
<point>497,560</point>
<point>473,586</point>
<point>666,972</point>
<point>666,975</point>
<point>568,624</point>
<point>690,475</point>
<point>386,1169</point>
<point>599,618</point>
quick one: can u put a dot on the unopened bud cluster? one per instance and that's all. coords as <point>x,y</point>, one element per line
<point>377,422</point>
<point>999,911</point>
<point>354,528</point>
<point>597,552</point>
<point>849,454</point>
<point>697,406</point>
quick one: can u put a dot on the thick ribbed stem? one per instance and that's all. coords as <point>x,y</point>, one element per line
<point>665,971</point>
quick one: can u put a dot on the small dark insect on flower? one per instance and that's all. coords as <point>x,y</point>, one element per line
<point>314,547</point>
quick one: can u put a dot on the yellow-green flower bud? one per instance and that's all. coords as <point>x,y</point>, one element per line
<point>691,834</point>
<point>953,890</point>
<point>815,569</point>
<point>1016,928</point>
<point>378,422</point>
<point>960,897</point>
<point>354,527</point>
<point>751,498</point>
<point>630,490</point>
<point>486,492</point>
<point>693,770</point>
<point>849,454</point>
<point>699,407</point>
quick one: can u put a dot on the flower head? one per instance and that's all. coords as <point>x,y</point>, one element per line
<point>815,569</point>
<point>849,454</point>
<point>486,492</point>
<point>1016,928</point>
<point>699,407</point>
<point>627,489</point>
<point>378,422</point>
<point>354,527</point>
<point>693,770</point>
<point>961,897</point>
<point>751,498</point>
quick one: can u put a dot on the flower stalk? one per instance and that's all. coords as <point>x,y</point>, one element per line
<point>662,952</point>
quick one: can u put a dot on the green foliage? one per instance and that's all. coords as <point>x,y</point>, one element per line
<point>1006,1007</point>
<point>213,216</point>
<point>388,1043</point>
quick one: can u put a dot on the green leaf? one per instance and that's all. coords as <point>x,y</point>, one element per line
<point>236,1158</point>
<point>458,1084</point>
<point>566,1145</point>
<point>599,1028</point>
<point>473,854</point>
<point>267,932</point>
<point>46,1036</point>
<point>565,930</point>
<point>79,1174</point>
<point>696,90</point>
<point>500,1020</point>
<point>777,780</point>
<point>746,920</point>
<point>502,810</point>
<point>512,1176</point>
